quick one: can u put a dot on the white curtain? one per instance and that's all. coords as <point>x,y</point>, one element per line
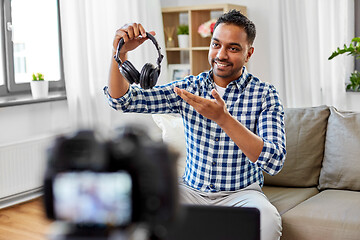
<point>88,28</point>
<point>306,32</point>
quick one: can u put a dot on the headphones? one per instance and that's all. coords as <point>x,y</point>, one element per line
<point>149,74</point>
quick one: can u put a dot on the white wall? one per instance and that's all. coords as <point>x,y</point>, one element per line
<point>23,122</point>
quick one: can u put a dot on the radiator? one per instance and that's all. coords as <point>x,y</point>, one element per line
<point>22,167</point>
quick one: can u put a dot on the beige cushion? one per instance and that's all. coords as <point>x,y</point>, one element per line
<point>305,139</point>
<point>330,215</point>
<point>284,198</point>
<point>341,166</point>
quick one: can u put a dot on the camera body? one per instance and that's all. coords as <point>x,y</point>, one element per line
<point>95,184</point>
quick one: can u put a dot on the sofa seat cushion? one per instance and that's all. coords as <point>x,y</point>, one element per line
<point>330,215</point>
<point>284,198</point>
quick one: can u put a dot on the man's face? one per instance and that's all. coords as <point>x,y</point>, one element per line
<point>229,51</point>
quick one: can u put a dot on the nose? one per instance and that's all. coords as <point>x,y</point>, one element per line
<point>222,54</point>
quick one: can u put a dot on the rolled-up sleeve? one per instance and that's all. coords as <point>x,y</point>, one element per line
<point>117,103</point>
<point>271,128</point>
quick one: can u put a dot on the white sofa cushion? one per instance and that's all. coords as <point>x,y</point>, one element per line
<point>172,129</point>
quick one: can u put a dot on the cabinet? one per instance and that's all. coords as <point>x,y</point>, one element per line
<point>196,55</point>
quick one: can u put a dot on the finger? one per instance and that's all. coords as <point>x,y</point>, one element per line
<point>142,30</point>
<point>193,100</point>
<point>192,97</point>
<point>130,32</point>
<point>184,93</point>
<point>143,39</point>
<point>118,36</point>
<point>124,36</point>
<point>136,30</point>
<point>188,100</point>
<point>179,92</point>
<point>216,95</point>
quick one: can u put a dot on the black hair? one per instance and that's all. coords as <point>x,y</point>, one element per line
<point>237,18</point>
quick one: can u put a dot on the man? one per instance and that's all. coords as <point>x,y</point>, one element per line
<point>233,122</point>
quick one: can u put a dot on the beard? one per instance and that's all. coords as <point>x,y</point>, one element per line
<point>225,69</point>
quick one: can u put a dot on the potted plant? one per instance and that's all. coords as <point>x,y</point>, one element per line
<point>183,35</point>
<point>39,87</point>
<point>353,50</point>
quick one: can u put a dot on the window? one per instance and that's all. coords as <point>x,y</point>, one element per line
<point>31,43</point>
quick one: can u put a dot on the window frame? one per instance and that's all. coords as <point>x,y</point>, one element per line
<point>10,87</point>
<point>3,89</point>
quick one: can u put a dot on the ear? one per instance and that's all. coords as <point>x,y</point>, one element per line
<point>249,53</point>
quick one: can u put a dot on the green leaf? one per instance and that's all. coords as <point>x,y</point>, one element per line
<point>354,81</point>
<point>334,54</point>
<point>183,29</point>
<point>38,77</point>
<point>353,49</point>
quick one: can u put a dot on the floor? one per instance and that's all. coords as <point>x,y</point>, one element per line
<point>26,221</point>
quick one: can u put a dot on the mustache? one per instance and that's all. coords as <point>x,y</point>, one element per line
<point>221,61</point>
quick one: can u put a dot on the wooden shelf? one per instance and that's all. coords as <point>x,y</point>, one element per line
<point>177,49</point>
<point>201,48</point>
<point>198,46</point>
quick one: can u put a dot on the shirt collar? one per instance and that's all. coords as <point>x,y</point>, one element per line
<point>240,83</point>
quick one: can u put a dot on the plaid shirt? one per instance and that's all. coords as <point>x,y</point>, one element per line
<point>214,162</point>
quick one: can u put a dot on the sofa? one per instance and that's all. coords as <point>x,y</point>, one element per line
<point>317,192</point>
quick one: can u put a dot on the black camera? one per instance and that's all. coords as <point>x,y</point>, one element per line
<point>97,186</point>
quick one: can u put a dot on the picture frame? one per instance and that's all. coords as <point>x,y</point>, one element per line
<point>178,71</point>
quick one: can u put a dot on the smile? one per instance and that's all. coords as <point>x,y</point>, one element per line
<point>222,65</point>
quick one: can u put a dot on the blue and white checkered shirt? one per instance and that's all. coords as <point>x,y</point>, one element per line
<point>214,162</point>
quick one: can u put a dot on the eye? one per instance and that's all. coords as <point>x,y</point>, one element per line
<point>215,45</point>
<point>234,49</point>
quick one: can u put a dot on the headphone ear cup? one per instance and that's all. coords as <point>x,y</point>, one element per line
<point>129,72</point>
<point>146,76</point>
<point>154,77</point>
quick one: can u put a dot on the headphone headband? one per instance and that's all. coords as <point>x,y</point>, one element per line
<point>152,38</point>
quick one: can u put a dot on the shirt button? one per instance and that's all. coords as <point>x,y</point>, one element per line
<point>213,163</point>
<point>212,186</point>
<point>217,139</point>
